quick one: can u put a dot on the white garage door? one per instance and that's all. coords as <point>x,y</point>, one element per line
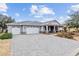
<point>32,30</point>
<point>15,30</point>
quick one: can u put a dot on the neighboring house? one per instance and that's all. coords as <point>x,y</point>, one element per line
<point>33,27</point>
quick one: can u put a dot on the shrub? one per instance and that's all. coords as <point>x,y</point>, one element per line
<point>65,35</point>
<point>72,33</point>
<point>6,36</point>
<point>60,34</point>
<point>69,36</point>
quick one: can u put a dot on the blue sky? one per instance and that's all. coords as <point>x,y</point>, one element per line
<point>38,12</point>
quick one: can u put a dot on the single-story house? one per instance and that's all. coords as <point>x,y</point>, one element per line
<point>33,27</point>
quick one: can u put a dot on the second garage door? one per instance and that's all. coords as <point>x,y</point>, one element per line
<point>15,30</point>
<point>32,30</point>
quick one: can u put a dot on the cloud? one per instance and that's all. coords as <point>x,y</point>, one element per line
<point>48,19</point>
<point>68,11</point>
<point>73,8</point>
<point>34,9</point>
<point>38,16</point>
<point>23,9</point>
<point>3,7</point>
<point>5,14</point>
<point>39,10</point>
<point>46,10</point>
<point>61,19</point>
<point>17,14</point>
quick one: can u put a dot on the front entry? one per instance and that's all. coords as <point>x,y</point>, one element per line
<point>50,29</point>
<point>53,29</point>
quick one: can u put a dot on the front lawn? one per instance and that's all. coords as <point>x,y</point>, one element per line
<point>5,36</point>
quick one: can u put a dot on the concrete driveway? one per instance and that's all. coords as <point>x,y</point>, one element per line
<point>42,45</point>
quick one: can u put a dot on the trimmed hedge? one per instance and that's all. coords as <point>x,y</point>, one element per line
<point>6,36</point>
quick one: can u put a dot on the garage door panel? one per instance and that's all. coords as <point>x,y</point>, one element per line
<point>15,30</point>
<point>33,30</point>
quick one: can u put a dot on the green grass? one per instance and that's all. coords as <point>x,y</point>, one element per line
<point>6,36</point>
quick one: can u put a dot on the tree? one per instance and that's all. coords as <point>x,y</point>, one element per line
<point>73,22</point>
<point>3,21</point>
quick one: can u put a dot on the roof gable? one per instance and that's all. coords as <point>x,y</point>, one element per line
<point>53,22</point>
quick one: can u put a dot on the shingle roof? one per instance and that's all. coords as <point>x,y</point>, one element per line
<point>26,23</point>
<point>53,22</point>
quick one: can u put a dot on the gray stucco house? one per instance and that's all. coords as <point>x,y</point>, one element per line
<point>33,27</point>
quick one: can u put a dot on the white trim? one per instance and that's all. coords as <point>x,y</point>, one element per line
<point>47,29</point>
